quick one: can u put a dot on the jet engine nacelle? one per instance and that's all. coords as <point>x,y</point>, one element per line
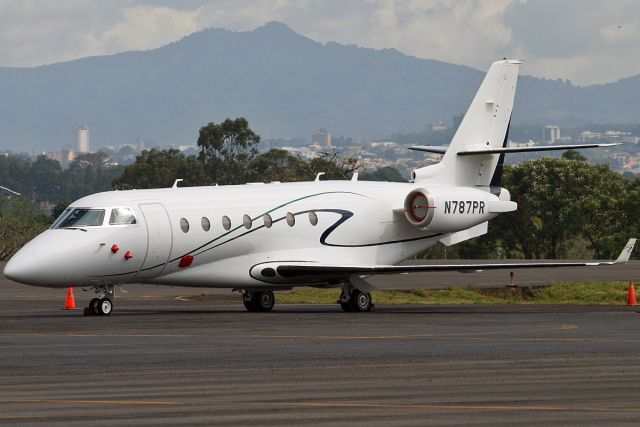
<point>449,209</point>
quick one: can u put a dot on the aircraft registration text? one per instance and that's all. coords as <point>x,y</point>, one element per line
<point>463,207</point>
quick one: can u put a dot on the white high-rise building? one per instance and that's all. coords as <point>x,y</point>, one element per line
<point>82,139</point>
<point>551,133</point>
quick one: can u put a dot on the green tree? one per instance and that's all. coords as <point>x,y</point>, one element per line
<point>333,166</point>
<point>559,201</point>
<point>565,207</point>
<point>226,150</point>
<point>386,173</point>
<point>631,209</point>
<point>279,165</point>
<point>276,165</point>
<point>87,174</point>
<point>20,222</point>
<point>573,155</point>
<point>159,169</point>
<point>46,178</point>
<point>15,173</point>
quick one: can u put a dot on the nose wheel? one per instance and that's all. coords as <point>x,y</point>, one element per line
<point>102,305</point>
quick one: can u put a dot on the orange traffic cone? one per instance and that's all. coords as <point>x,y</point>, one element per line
<point>71,301</point>
<point>631,299</point>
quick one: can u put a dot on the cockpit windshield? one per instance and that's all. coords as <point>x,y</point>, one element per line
<point>81,217</point>
<point>60,218</point>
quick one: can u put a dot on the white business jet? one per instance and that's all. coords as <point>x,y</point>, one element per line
<point>258,238</point>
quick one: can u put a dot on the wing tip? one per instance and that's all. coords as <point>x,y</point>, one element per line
<point>625,254</point>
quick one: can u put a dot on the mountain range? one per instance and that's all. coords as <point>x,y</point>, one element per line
<point>285,84</point>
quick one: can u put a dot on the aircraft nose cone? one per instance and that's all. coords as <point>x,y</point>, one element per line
<point>20,267</point>
<point>50,259</point>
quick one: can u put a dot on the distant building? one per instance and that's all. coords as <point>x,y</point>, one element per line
<point>587,135</point>
<point>55,155</point>
<point>435,127</point>
<point>321,138</point>
<point>551,134</point>
<point>82,139</point>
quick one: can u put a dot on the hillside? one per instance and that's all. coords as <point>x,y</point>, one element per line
<point>284,83</point>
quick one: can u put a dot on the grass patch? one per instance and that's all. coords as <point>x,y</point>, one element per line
<point>591,293</point>
<point>598,293</point>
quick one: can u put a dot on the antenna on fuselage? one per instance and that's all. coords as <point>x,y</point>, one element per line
<point>318,176</point>
<point>175,183</point>
<point>354,177</point>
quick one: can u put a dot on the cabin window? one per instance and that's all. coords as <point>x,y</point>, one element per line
<point>246,221</point>
<point>291,219</point>
<point>313,218</point>
<point>83,217</point>
<point>226,222</point>
<point>184,224</point>
<point>206,225</point>
<point>122,216</point>
<point>268,221</point>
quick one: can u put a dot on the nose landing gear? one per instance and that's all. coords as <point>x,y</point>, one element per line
<point>102,305</point>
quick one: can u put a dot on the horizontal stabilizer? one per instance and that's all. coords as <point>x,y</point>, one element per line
<point>507,150</point>
<point>437,149</point>
<point>441,149</point>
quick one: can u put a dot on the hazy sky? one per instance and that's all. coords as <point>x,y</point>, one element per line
<point>586,41</point>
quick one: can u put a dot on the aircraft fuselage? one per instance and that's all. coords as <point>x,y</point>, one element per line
<point>180,235</point>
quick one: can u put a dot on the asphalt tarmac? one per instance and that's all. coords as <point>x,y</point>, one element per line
<point>166,356</point>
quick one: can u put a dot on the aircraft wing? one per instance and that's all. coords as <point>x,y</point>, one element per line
<point>319,272</point>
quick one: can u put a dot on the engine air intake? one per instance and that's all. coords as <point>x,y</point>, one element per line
<point>419,207</point>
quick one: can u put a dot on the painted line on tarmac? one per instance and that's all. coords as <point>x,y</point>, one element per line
<point>34,334</point>
<point>533,408</point>
<point>441,337</point>
<point>90,402</point>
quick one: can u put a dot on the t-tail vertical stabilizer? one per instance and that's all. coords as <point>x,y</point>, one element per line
<point>484,127</point>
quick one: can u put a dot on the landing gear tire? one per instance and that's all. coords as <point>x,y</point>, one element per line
<point>265,300</point>
<point>355,300</point>
<point>361,301</point>
<point>249,304</point>
<point>102,304</point>
<point>94,306</point>
<point>259,301</point>
<point>105,306</point>
<point>345,303</point>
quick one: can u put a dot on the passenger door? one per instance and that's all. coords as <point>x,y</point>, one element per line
<point>159,237</point>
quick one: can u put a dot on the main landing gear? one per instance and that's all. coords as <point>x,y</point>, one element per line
<point>352,299</point>
<point>258,300</point>
<point>102,305</point>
